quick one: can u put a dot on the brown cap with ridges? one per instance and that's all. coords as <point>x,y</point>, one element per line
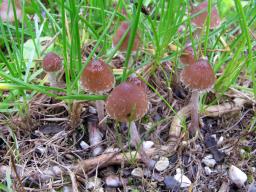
<point>124,26</point>
<point>200,19</point>
<point>127,102</point>
<point>199,76</point>
<point>187,57</point>
<point>97,77</point>
<point>51,62</point>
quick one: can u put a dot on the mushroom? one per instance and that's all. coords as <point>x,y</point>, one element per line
<point>201,18</point>
<point>121,31</point>
<point>52,64</point>
<point>97,77</point>
<point>128,102</point>
<point>6,11</point>
<point>188,57</point>
<point>198,77</point>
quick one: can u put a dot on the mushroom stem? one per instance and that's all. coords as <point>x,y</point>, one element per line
<point>52,78</point>
<point>100,110</point>
<point>136,142</point>
<point>95,138</point>
<point>194,113</point>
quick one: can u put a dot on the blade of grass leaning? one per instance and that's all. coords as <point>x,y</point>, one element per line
<point>131,39</point>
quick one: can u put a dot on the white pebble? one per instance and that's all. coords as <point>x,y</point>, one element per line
<point>111,150</point>
<point>113,181</point>
<point>67,188</point>
<point>137,172</point>
<point>93,183</point>
<point>84,145</point>
<point>207,170</point>
<point>183,179</point>
<point>220,141</point>
<point>237,176</point>
<point>162,164</point>
<point>209,161</point>
<point>147,144</point>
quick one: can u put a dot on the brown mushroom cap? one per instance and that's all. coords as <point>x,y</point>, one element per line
<point>51,62</point>
<point>97,77</point>
<point>124,26</point>
<point>136,81</point>
<point>200,19</point>
<point>187,57</point>
<point>127,102</point>
<point>199,76</point>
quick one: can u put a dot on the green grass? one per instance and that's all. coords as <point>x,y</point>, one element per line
<point>71,25</point>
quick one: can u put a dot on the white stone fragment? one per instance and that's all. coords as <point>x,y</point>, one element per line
<point>93,183</point>
<point>237,176</point>
<point>147,144</point>
<point>84,145</point>
<point>113,181</point>
<point>220,141</point>
<point>162,164</point>
<point>183,179</point>
<point>209,161</point>
<point>137,172</point>
<point>207,170</point>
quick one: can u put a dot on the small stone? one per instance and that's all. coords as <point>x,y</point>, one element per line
<point>84,145</point>
<point>93,183</point>
<point>137,172</point>
<point>171,184</point>
<point>237,176</point>
<point>162,164</point>
<point>183,179</point>
<point>57,170</point>
<point>92,110</point>
<point>111,150</point>
<point>207,170</point>
<point>220,141</point>
<point>41,150</point>
<point>147,144</point>
<point>113,181</point>
<point>252,187</point>
<point>209,161</point>
<point>214,136</point>
<point>67,188</point>
<point>242,152</point>
<point>253,169</point>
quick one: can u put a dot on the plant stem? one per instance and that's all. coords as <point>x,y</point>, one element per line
<point>136,142</point>
<point>194,113</point>
<point>95,138</point>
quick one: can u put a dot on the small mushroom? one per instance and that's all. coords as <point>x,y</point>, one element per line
<point>6,11</point>
<point>128,103</point>
<point>97,77</point>
<point>121,31</point>
<point>198,77</point>
<point>188,57</point>
<point>51,65</point>
<point>200,20</point>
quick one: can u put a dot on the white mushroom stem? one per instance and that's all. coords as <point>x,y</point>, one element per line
<point>52,78</point>
<point>136,142</point>
<point>95,138</point>
<point>194,113</point>
<point>100,109</point>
